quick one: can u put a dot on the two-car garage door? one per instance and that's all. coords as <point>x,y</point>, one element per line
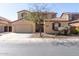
<point>24,28</point>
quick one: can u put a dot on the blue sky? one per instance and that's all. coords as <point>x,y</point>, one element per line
<point>9,10</point>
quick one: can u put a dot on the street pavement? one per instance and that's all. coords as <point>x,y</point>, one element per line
<point>16,44</point>
<point>37,49</point>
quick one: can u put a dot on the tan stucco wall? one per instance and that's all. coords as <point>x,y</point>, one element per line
<point>23,26</point>
<point>48,26</point>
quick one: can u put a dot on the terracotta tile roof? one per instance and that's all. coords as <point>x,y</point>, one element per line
<point>74,21</point>
<point>75,24</point>
<point>71,12</point>
<point>56,19</point>
<point>37,12</point>
<point>46,12</point>
<point>16,20</point>
<point>23,10</point>
<point>4,19</point>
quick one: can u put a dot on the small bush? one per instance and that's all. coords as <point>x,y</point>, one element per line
<point>76,31</point>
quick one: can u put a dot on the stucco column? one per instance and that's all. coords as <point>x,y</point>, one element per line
<point>7,28</point>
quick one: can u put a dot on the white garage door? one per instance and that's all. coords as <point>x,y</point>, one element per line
<point>24,28</point>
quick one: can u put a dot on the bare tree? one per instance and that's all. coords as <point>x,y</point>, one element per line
<point>38,14</point>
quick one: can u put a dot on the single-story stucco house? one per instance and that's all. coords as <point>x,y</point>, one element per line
<point>48,26</point>
<point>5,25</point>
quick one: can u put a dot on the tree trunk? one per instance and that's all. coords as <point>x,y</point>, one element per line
<point>40,31</point>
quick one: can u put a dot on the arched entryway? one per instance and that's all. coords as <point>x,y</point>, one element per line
<point>10,28</point>
<point>7,28</point>
<point>39,27</point>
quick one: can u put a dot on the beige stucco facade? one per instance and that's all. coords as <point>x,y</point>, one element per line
<point>27,26</point>
<point>23,26</point>
<point>48,27</point>
<point>65,16</point>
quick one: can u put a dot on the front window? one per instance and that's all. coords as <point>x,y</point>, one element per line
<point>23,15</point>
<point>56,25</point>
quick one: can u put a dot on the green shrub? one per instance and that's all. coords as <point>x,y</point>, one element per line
<point>76,31</point>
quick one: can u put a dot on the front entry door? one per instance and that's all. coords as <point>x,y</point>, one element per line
<point>39,27</point>
<point>10,29</point>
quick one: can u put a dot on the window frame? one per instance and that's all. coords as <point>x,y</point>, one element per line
<point>54,26</point>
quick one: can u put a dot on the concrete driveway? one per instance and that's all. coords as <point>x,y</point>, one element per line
<point>19,38</point>
<point>15,37</point>
<point>27,35</point>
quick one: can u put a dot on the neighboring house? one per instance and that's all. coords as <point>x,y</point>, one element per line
<point>74,23</point>
<point>70,16</point>
<point>5,25</point>
<point>73,20</point>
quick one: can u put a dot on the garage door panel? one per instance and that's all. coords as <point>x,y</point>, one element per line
<point>24,28</point>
